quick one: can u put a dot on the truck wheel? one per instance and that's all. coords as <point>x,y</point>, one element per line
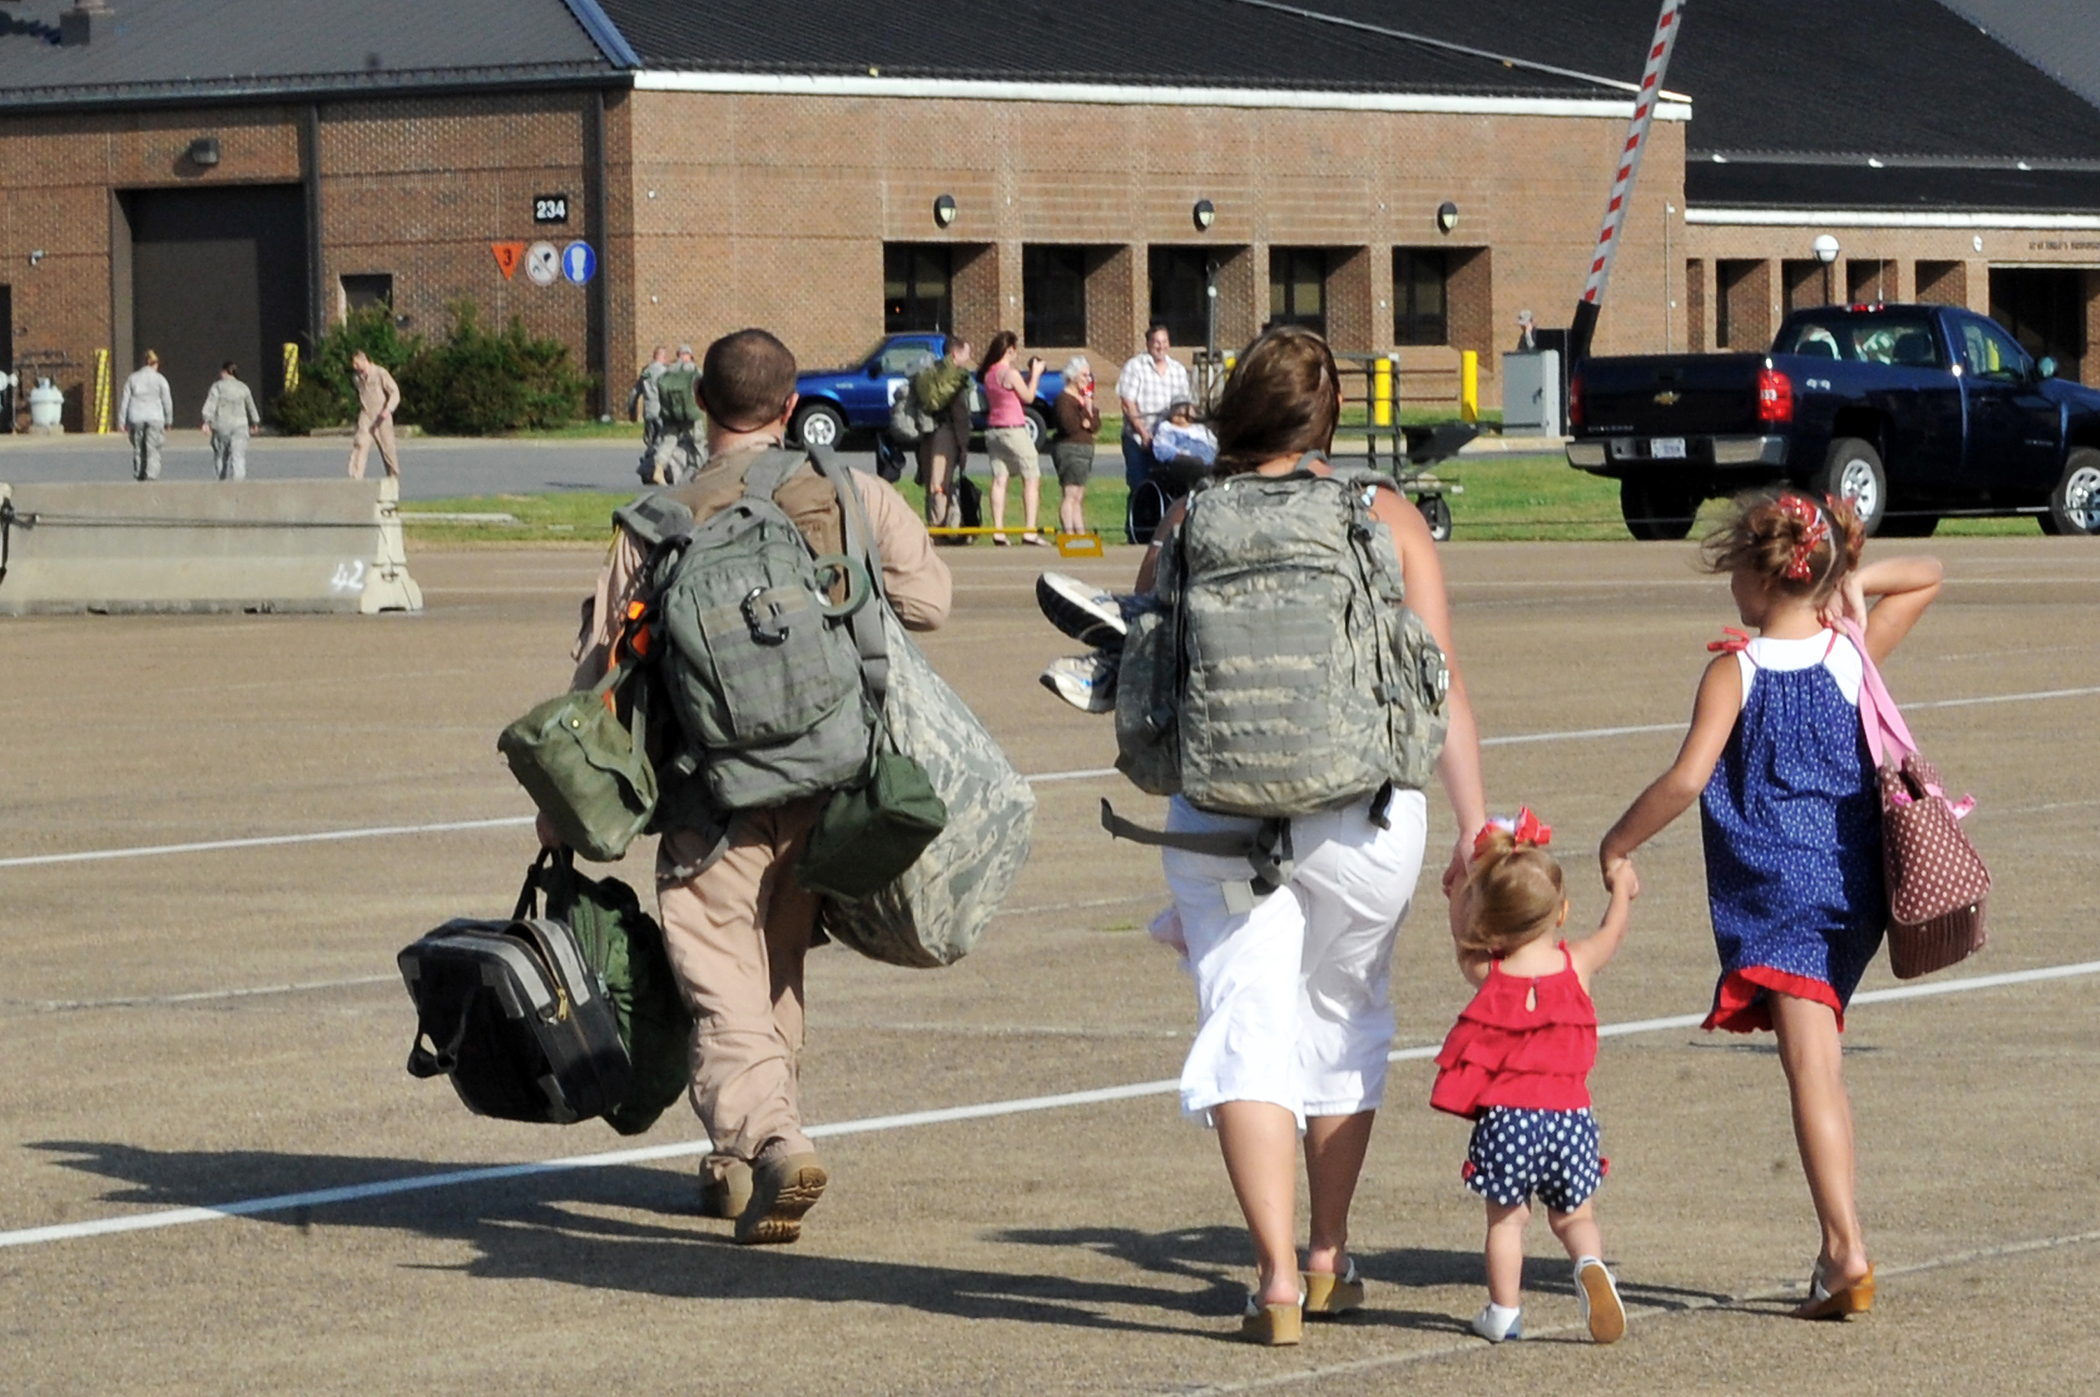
<point>1853,471</point>
<point>818,424</point>
<point>1657,511</point>
<point>1436,512</point>
<point>2074,505</point>
<point>1038,429</point>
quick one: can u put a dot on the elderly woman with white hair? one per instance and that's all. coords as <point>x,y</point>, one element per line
<point>1072,444</point>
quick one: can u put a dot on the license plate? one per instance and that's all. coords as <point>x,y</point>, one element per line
<point>1667,448</point>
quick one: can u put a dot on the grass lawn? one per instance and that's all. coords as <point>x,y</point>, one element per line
<point>1505,498</point>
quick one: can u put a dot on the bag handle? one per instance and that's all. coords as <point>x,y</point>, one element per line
<point>1888,736</point>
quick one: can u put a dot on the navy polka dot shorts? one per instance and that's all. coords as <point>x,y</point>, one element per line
<point>1517,1152</point>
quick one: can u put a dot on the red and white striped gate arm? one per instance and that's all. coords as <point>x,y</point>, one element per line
<point>1666,27</point>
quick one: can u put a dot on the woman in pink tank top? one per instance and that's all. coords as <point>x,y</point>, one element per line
<point>1006,438</point>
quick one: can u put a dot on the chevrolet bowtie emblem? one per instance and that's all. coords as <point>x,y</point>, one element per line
<point>1666,398</point>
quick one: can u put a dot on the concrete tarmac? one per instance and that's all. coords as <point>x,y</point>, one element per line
<point>192,1030</point>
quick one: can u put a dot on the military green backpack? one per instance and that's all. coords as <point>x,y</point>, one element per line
<point>1282,673</point>
<point>678,396</point>
<point>760,665</point>
<point>624,947</point>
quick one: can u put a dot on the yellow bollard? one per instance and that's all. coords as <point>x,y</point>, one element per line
<point>1469,385</point>
<point>1382,391</point>
<point>101,392</point>
<point>291,366</point>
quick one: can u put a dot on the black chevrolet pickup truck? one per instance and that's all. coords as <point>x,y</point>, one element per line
<point>1912,412</point>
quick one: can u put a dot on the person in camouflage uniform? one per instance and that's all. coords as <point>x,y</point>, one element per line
<point>229,413</point>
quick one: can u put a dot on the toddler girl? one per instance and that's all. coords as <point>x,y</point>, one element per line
<point>1792,818</point>
<point>1518,1064</point>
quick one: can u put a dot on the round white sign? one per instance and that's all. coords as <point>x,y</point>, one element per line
<point>543,264</point>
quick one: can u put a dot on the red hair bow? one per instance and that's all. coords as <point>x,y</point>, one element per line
<point>1731,642</point>
<point>1526,828</point>
<point>1816,528</point>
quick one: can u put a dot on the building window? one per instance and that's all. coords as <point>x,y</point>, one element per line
<point>1421,300</point>
<point>918,288</point>
<point>363,290</point>
<point>1869,281</point>
<point>1807,283</point>
<point>1053,295</point>
<point>1298,287</point>
<point>1180,282</point>
<point>2044,308</point>
<point>1741,308</point>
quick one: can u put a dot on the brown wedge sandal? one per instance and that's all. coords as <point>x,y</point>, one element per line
<point>1824,1303</point>
<point>1273,1326</point>
<point>1328,1295</point>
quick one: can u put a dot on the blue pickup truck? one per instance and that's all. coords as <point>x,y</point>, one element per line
<point>1913,412</point>
<point>835,401</point>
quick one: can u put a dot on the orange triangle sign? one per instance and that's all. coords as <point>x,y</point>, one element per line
<point>508,255</point>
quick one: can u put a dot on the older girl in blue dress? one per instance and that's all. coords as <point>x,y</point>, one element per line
<point>1789,802</point>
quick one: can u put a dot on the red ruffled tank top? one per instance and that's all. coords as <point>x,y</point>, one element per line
<point>1504,1052</point>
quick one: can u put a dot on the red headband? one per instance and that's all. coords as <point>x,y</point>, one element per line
<point>1524,829</point>
<point>1816,529</point>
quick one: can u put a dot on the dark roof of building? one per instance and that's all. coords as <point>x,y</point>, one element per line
<point>1897,188</point>
<point>2060,37</point>
<point>1329,45</point>
<point>145,50</point>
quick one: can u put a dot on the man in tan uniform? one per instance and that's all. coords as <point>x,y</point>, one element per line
<point>377,397</point>
<point>739,929</point>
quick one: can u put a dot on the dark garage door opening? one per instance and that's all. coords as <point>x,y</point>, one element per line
<point>217,274</point>
<point>2044,307</point>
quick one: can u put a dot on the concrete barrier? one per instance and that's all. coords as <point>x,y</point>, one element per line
<point>255,545</point>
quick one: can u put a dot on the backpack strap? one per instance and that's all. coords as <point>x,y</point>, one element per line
<point>860,544</point>
<point>1267,850</point>
<point>654,519</point>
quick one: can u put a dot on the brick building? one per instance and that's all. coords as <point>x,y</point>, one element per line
<point>216,178</point>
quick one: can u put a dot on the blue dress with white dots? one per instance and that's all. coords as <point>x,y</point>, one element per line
<point>1792,824</point>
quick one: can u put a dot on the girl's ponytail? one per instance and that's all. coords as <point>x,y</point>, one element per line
<point>1799,545</point>
<point>1513,892</point>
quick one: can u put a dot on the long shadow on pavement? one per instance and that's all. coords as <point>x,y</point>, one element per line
<point>554,1227</point>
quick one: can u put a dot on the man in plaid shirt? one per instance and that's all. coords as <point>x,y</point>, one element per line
<point>1149,384</point>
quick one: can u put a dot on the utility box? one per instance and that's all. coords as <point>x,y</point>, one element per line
<point>1531,394</point>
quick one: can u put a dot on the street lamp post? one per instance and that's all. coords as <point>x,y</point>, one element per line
<point>1826,250</point>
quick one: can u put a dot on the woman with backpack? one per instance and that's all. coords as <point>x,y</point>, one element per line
<point>1294,1019</point>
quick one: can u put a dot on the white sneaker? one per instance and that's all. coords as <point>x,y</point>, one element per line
<point>1602,1309</point>
<point>1496,1324</point>
<point>1087,682</point>
<point>1090,615</point>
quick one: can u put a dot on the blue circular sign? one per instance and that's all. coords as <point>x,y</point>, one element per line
<point>578,263</point>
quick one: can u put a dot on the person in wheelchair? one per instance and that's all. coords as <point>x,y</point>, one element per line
<point>1184,452</point>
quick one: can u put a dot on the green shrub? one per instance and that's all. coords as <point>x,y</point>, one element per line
<point>481,382</point>
<point>471,382</point>
<point>327,394</point>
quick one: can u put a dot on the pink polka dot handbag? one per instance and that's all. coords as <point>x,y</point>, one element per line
<point>1936,880</point>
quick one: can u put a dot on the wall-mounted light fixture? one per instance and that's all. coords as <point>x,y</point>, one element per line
<point>204,151</point>
<point>944,210</point>
<point>1446,216</point>
<point>36,256</point>
<point>1206,213</point>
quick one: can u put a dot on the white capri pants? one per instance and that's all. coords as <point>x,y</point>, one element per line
<point>1292,999</point>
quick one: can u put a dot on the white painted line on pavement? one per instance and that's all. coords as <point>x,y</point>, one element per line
<point>946,1115</point>
<point>261,842</point>
<point>1039,779</point>
<point>198,996</point>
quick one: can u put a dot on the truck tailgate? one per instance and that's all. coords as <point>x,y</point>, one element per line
<point>1670,395</point>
